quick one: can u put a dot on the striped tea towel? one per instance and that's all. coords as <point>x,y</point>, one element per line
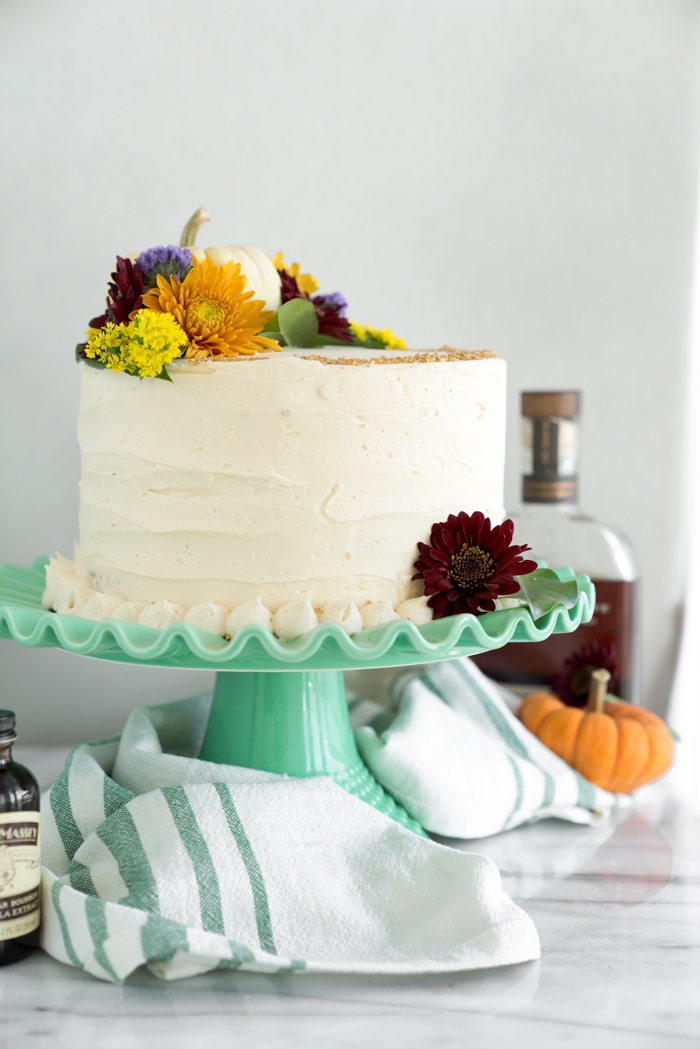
<point>461,763</point>
<point>153,857</point>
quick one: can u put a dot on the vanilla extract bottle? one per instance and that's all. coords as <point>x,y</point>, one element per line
<point>550,521</point>
<point>20,866</point>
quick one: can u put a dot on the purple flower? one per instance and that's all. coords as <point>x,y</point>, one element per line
<point>167,260</point>
<point>164,253</point>
<point>335,300</point>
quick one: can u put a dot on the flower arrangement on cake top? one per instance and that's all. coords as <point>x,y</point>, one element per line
<point>179,301</point>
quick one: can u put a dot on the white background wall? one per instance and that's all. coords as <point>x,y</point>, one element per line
<point>511,174</point>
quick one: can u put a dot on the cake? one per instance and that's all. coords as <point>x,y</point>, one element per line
<point>282,487</point>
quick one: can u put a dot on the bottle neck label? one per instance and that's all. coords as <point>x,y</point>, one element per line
<point>550,455</point>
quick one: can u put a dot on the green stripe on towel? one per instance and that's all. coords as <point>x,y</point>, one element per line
<point>121,837</point>
<point>204,871</point>
<point>68,830</point>
<point>508,735</point>
<point>114,796</point>
<point>97,924</point>
<point>79,878</point>
<point>67,942</point>
<point>257,882</point>
<point>162,938</point>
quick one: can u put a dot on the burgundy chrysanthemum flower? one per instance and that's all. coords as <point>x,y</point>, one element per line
<point>289,288</point>
<point>125,291</point>
<point>573,683</point>
<point>330,319</point>
<point>469,564</point>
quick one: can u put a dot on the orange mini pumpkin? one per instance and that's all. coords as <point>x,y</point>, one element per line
<point>615,745</point>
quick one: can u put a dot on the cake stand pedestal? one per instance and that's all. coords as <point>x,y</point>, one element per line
<point>280,706</point>
<point>295,723</point>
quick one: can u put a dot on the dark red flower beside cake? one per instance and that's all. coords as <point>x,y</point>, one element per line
<point>468,564</point>
<point>573,684</point>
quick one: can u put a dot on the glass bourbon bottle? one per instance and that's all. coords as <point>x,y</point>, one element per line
<point>20,867</point>
<point>549,520</point>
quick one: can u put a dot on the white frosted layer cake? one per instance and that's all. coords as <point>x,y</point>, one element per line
<point>302,473</point>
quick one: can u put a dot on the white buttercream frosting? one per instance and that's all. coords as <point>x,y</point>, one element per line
<point>101,606</point>
<point>345,612</point>
<point>375,613</point>
<point>128,612</point>
<point>249,613</point>
<point>71,598</point>
<point>416,610</point>
<point>282,476</point>
<point>160,614</point>
<point>294,619</point>
<point>60,573</point>
<point>208,616</point>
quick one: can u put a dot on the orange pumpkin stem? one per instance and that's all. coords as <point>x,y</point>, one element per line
<point>598,690</point>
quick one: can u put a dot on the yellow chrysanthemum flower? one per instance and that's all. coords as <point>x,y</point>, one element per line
<point>364,332</point>
<point>219,317</point>
<point>306,284</point>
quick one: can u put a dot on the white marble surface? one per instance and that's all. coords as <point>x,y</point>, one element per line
<point>618,912</point>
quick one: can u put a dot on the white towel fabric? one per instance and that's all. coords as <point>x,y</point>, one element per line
<point>462,764</point>
<point>154,857</point>
<point>151,856</point>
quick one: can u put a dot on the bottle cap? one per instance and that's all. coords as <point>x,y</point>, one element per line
<point>7,724</point>
<point>562,404</point>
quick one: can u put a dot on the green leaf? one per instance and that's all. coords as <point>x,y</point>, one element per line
<point>164,375</point>
<point>328,340</point>
<point>369,343</point>
<point>298,322</point>
<point>164,269</point>
<point>543,591</point>
<point>94,362</point>
<point>273,325</point>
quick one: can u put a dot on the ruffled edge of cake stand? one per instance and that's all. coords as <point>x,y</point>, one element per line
<point>326,647</point>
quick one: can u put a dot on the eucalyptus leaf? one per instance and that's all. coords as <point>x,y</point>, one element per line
<point>298,322</point>
<point>273,325</point>
<point>543,591</point>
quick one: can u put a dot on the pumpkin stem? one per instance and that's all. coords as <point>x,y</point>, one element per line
<point>598,690</point>
<point>193,226</point>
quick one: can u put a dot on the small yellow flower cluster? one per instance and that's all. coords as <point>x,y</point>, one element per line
<point>363,332</point>
<point>156,340</point>
<point>306,284</point>
<point>141,348</point>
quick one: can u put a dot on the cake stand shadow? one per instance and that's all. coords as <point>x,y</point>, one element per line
<point>280,706</point>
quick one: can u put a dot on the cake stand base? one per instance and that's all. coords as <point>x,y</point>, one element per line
<point>294,723</point>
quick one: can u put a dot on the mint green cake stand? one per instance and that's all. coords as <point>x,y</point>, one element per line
<point>280,706</point>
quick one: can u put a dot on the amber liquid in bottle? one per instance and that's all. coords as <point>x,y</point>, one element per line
<point>550,521</point>
<point>20,869</point>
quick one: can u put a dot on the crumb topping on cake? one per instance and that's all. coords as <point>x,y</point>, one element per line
<point>428,357</point>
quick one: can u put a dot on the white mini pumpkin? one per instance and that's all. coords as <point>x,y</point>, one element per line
<point>257,268</point>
